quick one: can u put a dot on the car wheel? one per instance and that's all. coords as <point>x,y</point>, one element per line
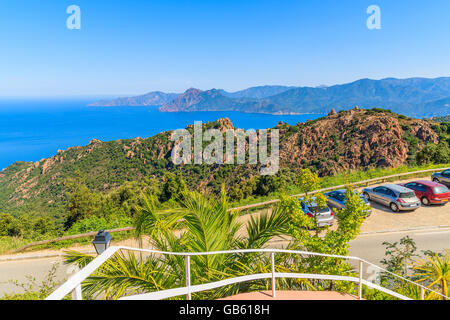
<point>436,180</point>
<point>425,201</point>
<point>365,194</point>
<point>394,207</point>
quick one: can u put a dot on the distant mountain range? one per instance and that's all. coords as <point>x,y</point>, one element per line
<point>442,119</point>
<point>415,97</point>
<point>156,98</point>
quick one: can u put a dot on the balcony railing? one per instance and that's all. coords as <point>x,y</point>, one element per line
<point>73,285</point>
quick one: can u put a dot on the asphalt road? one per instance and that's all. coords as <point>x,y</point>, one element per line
<point>370,247</point>
<point>367,246</point>
<point>21,269</point>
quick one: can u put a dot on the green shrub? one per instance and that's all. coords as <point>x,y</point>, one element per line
<point>98,223</point>
<point>267,185</point>
<point>9,225</point>
<point>173,187</point>
<point>433,153</point>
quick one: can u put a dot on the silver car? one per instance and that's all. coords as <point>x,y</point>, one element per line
<point>336,199</point>
<point>323,215</point>
<point>396,197</point>
<point>442,177</point>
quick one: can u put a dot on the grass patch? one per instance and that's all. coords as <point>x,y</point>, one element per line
<point>8,244</point>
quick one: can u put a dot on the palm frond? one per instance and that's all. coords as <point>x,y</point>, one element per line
<point>266,226</point>
<point>76,258</point>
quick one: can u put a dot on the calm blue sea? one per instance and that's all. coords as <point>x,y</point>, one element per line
<point>32,130</point>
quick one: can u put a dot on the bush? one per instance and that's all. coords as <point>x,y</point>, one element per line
<point>9,225</point>
<point>99,223</point>
<point>243,189</point>
<point>173,187</point>
<point>82,203</point>
<point>267,185</point>
<point>433,153</point>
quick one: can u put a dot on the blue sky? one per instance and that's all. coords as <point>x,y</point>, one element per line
<point>132,47</point>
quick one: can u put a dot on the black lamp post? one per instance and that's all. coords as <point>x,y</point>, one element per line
<point>101,241</point>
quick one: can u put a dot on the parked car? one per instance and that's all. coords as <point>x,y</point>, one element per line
<point>442,177</point>
<point>336,200</point>
<point>429,192</point>
<point>324,216</point>
<point>396,197</point>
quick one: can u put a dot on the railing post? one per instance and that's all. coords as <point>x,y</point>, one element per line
<point>187,262</point>
<point>422,293</point>
<point>76,293</point>
<point>272,258</point>
<point>361,269</point>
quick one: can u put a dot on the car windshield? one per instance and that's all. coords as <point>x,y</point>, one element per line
<point>439,190</point>
<point>319,209</point>
<point>407,195</point>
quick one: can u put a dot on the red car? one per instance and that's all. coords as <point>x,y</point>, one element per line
<point>429,192</point>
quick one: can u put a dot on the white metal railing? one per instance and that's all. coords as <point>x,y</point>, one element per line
<point>73,284</point>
